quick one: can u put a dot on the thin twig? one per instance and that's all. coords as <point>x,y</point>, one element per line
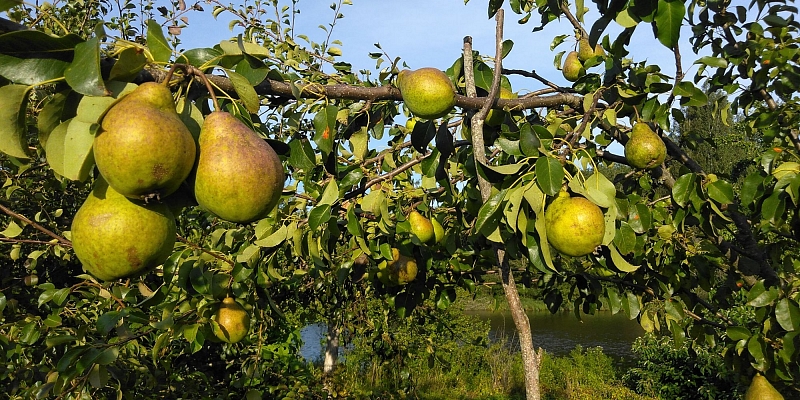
<point>35,225</point>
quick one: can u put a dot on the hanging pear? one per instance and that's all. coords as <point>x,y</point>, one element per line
<point>575,226</point>
<point>116,237</point>
<point>143,148</point>
<point>427,92</point>
<point>421,227</point>
<point>761,389</point>
<point>233,321</point>
<point>645,149</point>
<point>573,68</point>
<point>239,176</point>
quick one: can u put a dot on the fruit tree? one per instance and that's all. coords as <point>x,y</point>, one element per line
<point>164,207</point>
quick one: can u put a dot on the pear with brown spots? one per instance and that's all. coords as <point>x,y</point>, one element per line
<point>143,149</point>
<point>117,237</point>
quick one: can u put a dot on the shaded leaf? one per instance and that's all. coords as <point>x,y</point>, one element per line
<point>13,104</point>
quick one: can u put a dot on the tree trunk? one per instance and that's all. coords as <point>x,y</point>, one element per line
<point>531,359</point>
<point>331,347</point>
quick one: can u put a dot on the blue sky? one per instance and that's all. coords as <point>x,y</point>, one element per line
<point>430,33</point>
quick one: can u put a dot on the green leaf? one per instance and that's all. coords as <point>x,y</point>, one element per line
<point>759,296</point>
<point>737,333</point>
<point>245,90</point>
<point>83,74</point>
<point>684,187</point>
<point>13,131</point>
<point>301,155</point>
<point>600,190</point>
<point>50,116</point>
<point>54,148</point>
<point>12,230</point>
<point>549,175</point>
<point>691,96</point>
<point>31,57</point>
<point>68,358</point>
<point>716,62</point>
<point>490,209</point>
<point>625,239</point>
<point>201,57</point>
<point>274,239</point>
<point>78,155</point>
<point>494,5</point>
<point>788,314</point>
<point>6,4</point>
<point>157,43</point>
<point>330,195</point>
<point>131,61</point>
<point>620,262</point>
<point>108,321</point>
<point>91,109</point>
<point>630,304</point>
<point>318,216</point>
<point>668,20</point>
<point>325,128</point>
<point>108,356</point>
<point>721,192</point>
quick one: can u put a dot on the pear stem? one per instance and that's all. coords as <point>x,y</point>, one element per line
<point>196,72</point>
<point>190,70</point>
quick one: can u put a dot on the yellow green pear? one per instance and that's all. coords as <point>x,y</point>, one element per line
<point>496,117</point>
<point>402,269</point>
<point>239,176</point>
<point>117,237</point>
<point>438,230</point>
<point>575,226</point>
<point>573,68</point>
<point>143,148</point>
<point>427,92</point>
<point>645,149</point>
<point>233,321</point>
<point>585,50</point>
<point>761,389</point>
<point>421,227</point>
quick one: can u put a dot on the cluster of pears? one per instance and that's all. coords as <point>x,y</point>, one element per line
<point>573,64</point>
<point>427,92</point>
<point>575,226</point>
<point>645,149</point>
<point>402,269</point>
<point>144,153</point>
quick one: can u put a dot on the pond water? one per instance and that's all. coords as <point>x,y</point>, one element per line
<point>560,333</point>
<point>557,334</point>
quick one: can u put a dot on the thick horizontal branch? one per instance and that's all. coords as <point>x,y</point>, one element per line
<point>349,92</point>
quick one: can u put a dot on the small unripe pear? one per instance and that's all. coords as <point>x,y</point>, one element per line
<point>585,50</point>
<point>233,321</point>
<point>402,269</point>
<point>496,117</point>
<point>421,227</point>
<point>573,68</point>
<point>645,149</point>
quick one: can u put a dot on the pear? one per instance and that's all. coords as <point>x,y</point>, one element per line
<point>645,149</point>
<point>496,117</point>
<point>585,50</point>
<point>239,176</point>
<point>402,269</point>
<point>116,237</point>
<point>427,92</point>
<point>143,148</point>
<point>761,389</point>
<point>438,230</point>
<point>573,68</point>
<point>421,227</point>
<point>232,321</point>
<point>575,226</point>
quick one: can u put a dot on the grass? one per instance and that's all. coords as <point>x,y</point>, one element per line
<point>484,372</point>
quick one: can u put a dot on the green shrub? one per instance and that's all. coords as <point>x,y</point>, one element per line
<point>668,370</point>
